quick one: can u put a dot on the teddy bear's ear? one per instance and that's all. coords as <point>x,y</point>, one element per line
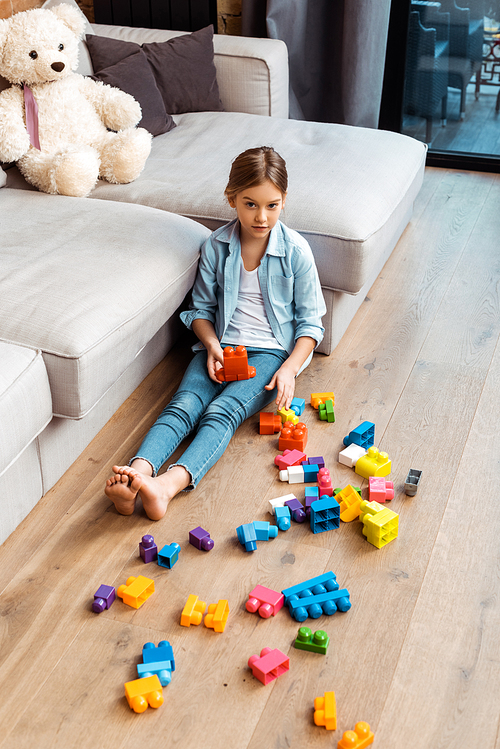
<point>4,28</point>
<point>71,16</point>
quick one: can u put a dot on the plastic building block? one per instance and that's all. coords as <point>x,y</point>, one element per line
<point>293,437</point>
<point>279,502</point>
<point>325,483</point>
<point>283,518</point>
<point>217,616</point>
<point>270,665</point>
<point>374,463</point>
<point>319,461</point>
<point>201,539</point>
<point>310,472</point>
<point>317,596</point>
<point>380,490</point>
<point>143,692</point>
<point>266,601</point>
<point>317,398</point>
<point>380,525</point>
<point>269,423</point>
<point>314,643</point>
<point>311,495</point>
<point>103,598</point>
<point>169,555</point>
<point>298,405</point>
<point>290,458</point>
<point>360,738</point>
<point>364,435</point>
<point>288,416</point>
<point>193,611</point>
<point>148,550</point>
<point>326,412</point>
<point>235,365</point>
<point>350,501</point>
<point>351,455</point>
<point>325,711</point>
<point>264,531</point>
<point>157,660</point>
<point>136,591</point>
<point>292,474</point>
<point>412,481</point>
<point>296,509</point>
<point>247,537</point>
<point>325,515</point>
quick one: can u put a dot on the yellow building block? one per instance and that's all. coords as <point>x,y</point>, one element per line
<point>349,501</point>
<point>217,616</point>
<point>143,692</point>
<point>136,591</point>
<point>193,611</point>
<point>325,711</point>
<point>317,398</point>
<point>288,415</point>
<point>360,738</point>
<point>380,525</point>
<point>373,463</point>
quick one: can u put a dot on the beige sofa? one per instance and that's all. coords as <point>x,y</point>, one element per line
<point>90,288</point>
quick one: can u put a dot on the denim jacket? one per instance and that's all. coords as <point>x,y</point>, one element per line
<point>288,279</point>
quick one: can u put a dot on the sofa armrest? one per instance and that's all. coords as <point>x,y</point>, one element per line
<point>252,73</point>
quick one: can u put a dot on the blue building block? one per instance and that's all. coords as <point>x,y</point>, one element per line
<point>327,581</point>
<point>157,660</point>
<point>247,537</point>
<point>169,555</point>
<point>298,405</point>
<point>264,531</point>
<point>310,472</point>
<point>364,435</point>
<point>317,596</point>
<point>283,518</point>
<point>325,515</point>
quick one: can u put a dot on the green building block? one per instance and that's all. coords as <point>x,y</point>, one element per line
<point>315,643</point>
<point>326,411</point>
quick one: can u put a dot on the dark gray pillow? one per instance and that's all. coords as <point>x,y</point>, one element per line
<point>133,75</point>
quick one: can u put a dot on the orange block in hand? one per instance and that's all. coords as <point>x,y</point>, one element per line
<point>235,365</point>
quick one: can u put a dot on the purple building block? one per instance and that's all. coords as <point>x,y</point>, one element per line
<point>148,549</point>
<point>312,495</point>
<point>103,598</point>
<point>297,510</point>
<point>201,539</point>
<point>320,462</point>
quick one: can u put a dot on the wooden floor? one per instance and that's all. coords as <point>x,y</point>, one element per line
<point>418,654</point>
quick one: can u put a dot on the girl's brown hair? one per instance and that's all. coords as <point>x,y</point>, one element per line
<point>254,167</point>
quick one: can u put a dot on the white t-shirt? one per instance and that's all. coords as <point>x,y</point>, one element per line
<point>249,325</point>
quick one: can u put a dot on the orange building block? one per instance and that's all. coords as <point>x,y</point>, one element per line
<point>136,591</point>
<point>360,738</point>
<point>269,423</point>
<point>325,711</point>
<point>235,365</point>
<point>350,502</point>
<point>317,398</point>
<point>293,437</point>
<point>193,611</point>
<point>217,616</point>
<point>143,692</point>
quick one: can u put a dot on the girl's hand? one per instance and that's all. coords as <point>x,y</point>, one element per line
<point>284,380</point>
<point>215,360</point>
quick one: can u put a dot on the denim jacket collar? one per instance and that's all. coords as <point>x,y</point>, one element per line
<point>230,234</point>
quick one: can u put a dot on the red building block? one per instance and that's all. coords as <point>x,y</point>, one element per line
<point>293,437</point>
<point>269,423</point>
<point>289,458</point>
<point>270,665</point>
<point>235,365</point>
<point>268,602</point>
<point>380,489</point>
<point>325,483</point>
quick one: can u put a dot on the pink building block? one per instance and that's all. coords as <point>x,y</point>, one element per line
<point>268,602</point>
<point>380,489</point>
<point>289,458</point>
<point>325,483</point>
<point>270,665</point>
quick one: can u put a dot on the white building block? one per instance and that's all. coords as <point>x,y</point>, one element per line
<point>351,455</point>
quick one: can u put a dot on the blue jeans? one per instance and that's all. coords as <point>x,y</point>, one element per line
<point>216,409</point>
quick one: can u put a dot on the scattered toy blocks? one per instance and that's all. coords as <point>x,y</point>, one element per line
<point>136,591</point>
<point>360,738</point>
<point>374,463</point>
<point>380,525</point>
<point>311,495</point>
<point>143,692</point>
<point>350,501</point>
<point>351,455</point>
<point>235,365</point>
<point>364,435</point>
<point>325,483</point>
<point>296,509</point>
<point>264,600</point>
<point>289,458</point>
<point>217,616</point>
<point>157,660</point>
<point>313,643</point>
<point>293,437</point>
<point>317,398</point>
<point>325,711</point>
<point>379,489</point>
<point>326,412</point>
<point>200,538</point>
<point>325,515</point>
<point>287,415</point>
<point>247,537</point>
<point>292,474</point>
<point>298,405</point>
<point>270,665</point>
<point>169,555</point>
<point>148,550</point>
<point>317,596</point>
<point>283,518</point>
<point>412,481</point>
<point>269,423</point>
<point>103,598</point>
<point>193,611</point>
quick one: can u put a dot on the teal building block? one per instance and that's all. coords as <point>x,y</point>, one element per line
<point>169,555</point>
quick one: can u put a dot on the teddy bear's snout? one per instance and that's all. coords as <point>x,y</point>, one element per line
<point>58,66</point>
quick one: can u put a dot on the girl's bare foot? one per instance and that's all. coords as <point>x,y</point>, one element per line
<point>122,489</point>
<point>155,493</point>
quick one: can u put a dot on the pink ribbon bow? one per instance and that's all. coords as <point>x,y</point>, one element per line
<point>31,109</point>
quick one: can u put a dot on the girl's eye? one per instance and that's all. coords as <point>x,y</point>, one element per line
<point>250,205</point>
<point>61,47</point>
<point>33,54</point>
<point>272,205</point>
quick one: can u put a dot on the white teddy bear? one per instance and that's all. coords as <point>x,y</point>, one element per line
<point>83,129</point>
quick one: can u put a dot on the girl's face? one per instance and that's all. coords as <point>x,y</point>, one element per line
<point>258,210</point>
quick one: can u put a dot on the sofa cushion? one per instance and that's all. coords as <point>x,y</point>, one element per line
<point>89,283</point>
<point>25,401</point>
<point>350,189</point>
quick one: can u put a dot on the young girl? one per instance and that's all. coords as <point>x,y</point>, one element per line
<point>257,286</point>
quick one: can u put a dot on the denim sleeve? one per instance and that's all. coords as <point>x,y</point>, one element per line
<point>309,302</point>
<point>203,304</point>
